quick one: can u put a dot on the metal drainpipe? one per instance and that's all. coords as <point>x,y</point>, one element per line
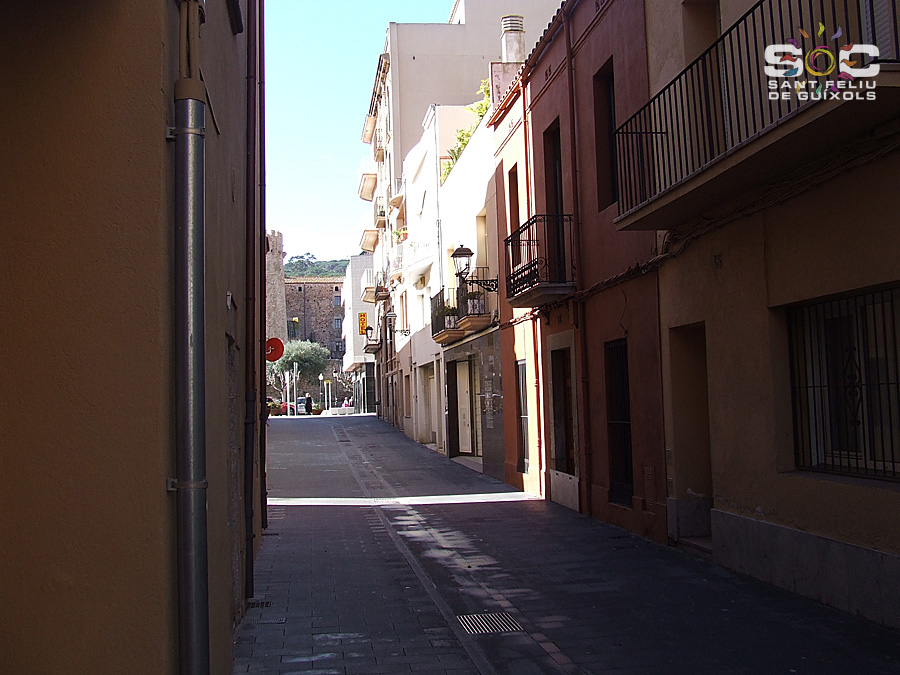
<point>579,305</point>
<point>190,355</point>
<point>252,289</point>
<point>263,408</point>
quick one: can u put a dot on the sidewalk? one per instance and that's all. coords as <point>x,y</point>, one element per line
<point>376,545</point>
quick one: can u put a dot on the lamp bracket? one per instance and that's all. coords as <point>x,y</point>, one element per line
<point>492,285</point>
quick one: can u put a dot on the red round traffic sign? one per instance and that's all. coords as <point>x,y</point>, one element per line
<point>274,349</point>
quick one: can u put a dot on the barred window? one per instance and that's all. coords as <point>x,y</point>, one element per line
<point>844,384</point>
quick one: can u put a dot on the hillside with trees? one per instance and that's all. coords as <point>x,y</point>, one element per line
<point>306,265</point>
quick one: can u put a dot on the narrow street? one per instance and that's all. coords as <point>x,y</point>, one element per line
<point>376,545</point>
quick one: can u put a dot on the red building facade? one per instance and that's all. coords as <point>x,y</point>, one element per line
<point>581,348</point>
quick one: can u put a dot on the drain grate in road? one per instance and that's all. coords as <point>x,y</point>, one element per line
<point>265,621</point>
<point>483,624</point>
<point>257,604</point>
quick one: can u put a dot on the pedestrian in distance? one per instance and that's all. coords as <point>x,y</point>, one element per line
<point>308,404</point>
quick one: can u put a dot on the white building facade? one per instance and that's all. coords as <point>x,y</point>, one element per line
<point>424,80</point>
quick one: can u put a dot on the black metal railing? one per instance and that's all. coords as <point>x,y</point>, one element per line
<point>723,99</point>
<point>444,311</point>
<point>379,210</point>
<point>845,384</point>
<point>472,300</point>
<point>540,251</point>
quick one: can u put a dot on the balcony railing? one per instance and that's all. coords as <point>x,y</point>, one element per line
<point>367,286</point>
<point>396,259</point>
<point>380,216</point>
<point>539,253</point>
<point>378,145</point>
<point>382,287</point>
<point>473,300</point>
<point>721,100</point>
<point>444,311</point>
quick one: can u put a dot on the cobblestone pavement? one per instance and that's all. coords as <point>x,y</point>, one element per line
<point>376,545</point>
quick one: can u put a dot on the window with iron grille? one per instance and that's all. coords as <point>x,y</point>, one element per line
<point>844,384</point>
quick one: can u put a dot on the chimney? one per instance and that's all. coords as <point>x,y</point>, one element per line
<point>512,40</point>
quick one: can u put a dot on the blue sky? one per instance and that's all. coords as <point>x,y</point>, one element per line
<point>320,67</point>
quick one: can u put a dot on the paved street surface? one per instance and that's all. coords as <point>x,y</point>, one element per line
<point>376,545</point>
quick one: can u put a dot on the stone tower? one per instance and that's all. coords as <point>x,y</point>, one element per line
<point>276,316</point>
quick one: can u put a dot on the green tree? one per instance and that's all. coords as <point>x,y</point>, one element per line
<point>306,265</point>
<point>310,357</point>
<point>479,109</point>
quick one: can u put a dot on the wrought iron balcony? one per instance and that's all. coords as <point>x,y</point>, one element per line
<point>723,101</point>
<point>445,317</point>
<point>539,261</point>
<point>476,306</point>
<point>382,289</point>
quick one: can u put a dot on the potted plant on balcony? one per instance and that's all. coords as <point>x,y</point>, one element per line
<point>451,317</point>
<point>399,235</point>
<point>475,300</point>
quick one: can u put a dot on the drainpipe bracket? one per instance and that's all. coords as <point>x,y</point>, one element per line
<point>173,132</point>
<point>173,485</point>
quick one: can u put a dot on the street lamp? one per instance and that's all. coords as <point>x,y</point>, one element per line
<point>391,317</point>
<point>321,387</point>
<point>462,259</point>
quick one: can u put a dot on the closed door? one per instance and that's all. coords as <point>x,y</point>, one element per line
<point>464,407</point>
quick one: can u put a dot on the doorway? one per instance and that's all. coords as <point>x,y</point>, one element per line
<point>563,482</point>
<point>692,498</point>
<point>464,407</point>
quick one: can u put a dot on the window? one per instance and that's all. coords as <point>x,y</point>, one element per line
<point>563,422</point>
<point>553,173</point>
<point>522,410</point>
<point>618,421</point>
<point>404,312</point>
<point>514,214</point>
<point>407,396</point>
<point>604,135</point>
<point>338,349</point>
<point>337,323</point>
<point>844,384</point>
<point>337,300</point>
<point>555,232</point>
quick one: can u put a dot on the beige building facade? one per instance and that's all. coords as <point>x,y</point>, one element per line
<point>425,77</point>
<point>778,317</point>
<point>91,577</point>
